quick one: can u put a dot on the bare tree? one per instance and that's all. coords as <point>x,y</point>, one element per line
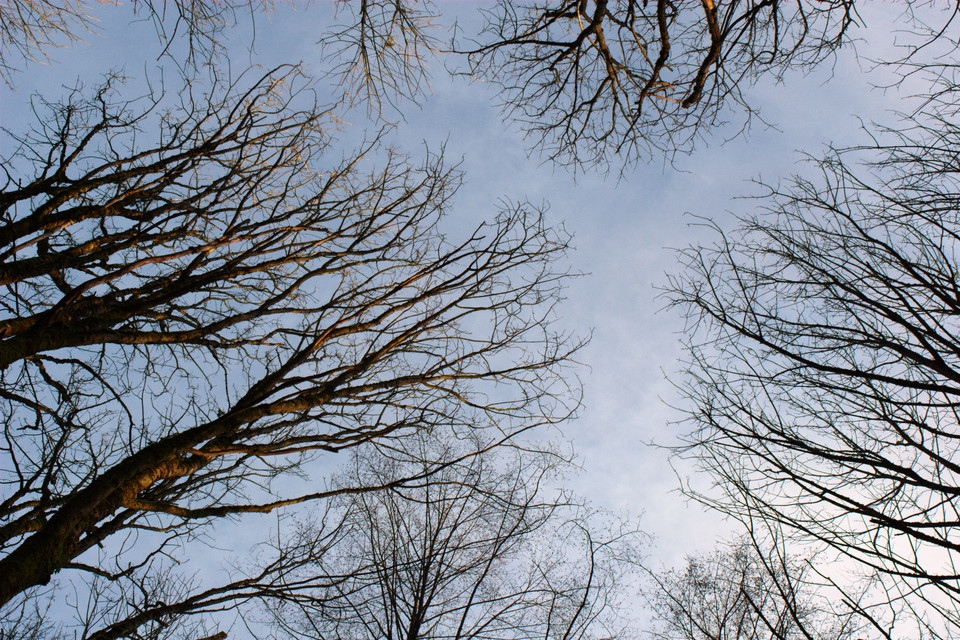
<point>30,29</point>
<point>197,303</point>
<point>742,591</point>
<point>479,550</point>
<point>607,81</point>
<point>380,51</point>
<point>596,81</point>
<point>824,370</point>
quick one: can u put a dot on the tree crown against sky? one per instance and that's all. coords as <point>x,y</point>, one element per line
<point>604,83</point>
<point>745,590</point>
<point>156,251</point>
<point>479,550</point>
<point>822,371</point>
<point>198,304</point>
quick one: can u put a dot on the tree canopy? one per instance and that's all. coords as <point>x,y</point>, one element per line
<point>209,299</point>
<point>822,373</point>
<point>187,322</point>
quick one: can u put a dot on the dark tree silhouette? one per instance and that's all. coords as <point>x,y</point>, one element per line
<point>743,591</point>
<point>31,29</point>
<point>824,370</point>
<point>380,51</point>
<point>592,82</point>
<point>205,298</point>
<point>197,303</point>
<point>624,80</point>
<point>479,550</point>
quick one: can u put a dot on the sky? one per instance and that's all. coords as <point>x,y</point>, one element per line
<point>625,227</point>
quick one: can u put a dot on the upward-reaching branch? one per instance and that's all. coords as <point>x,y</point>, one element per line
<point>194,306</point>
<point>824,370</point>
<point>616,81</point>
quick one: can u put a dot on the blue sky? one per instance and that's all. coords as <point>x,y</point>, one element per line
<point>624,227</point>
